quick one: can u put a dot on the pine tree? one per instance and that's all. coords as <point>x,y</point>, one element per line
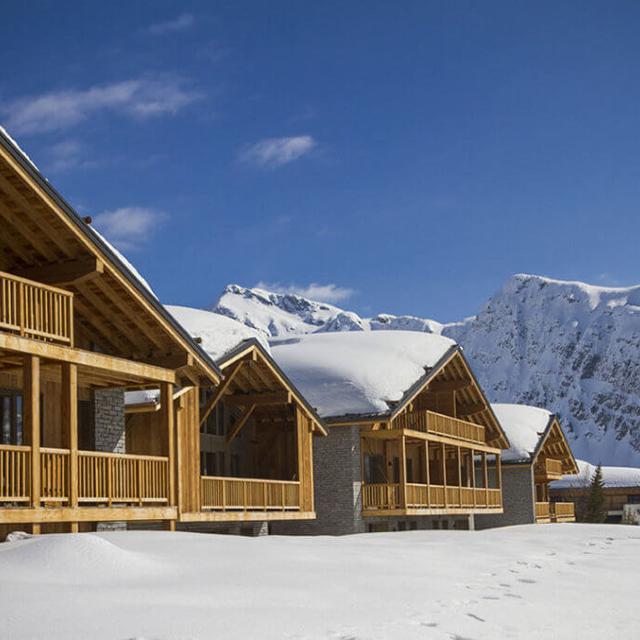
<point>595,511</point>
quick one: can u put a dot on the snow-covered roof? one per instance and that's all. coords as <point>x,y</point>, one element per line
<point>358,373</point>
<point>611,476</point>
<point>12,140</point>
<point>524,426</point>
<point>219,334</point>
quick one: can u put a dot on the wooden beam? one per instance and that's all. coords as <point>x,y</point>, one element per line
<point>91,359</point>
<point>12,515</point>
<point>174,360</point>
<point>246,414</point>
<point>438,386</point>
<point>403,471</point>
<point>69,419</point>
<point>471,409</point>
<point>167,421</point>
<point>31,420</point>
<point>66,272</point>
<point>246,399</point>
<point>220,391</point>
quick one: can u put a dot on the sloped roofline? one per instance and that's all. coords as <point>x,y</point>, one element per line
<point>9,145</point>
<point>553,418</point>
<point>416,388</point>
<point>252,343</point>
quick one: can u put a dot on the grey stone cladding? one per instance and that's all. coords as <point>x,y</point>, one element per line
<point>108,410</point>
<point>518,498</point>
<point>337,485</point>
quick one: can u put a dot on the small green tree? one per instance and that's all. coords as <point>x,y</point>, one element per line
<point>595,511</point>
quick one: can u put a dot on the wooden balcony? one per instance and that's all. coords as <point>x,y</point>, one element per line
<point>248,494</point>
<point>102,478</point>
<point>548,469</point>
<point>35,310</point>
<point>377,498</point>
<point>563,511</point>
<point>431,422</point>
<point>543,512</point>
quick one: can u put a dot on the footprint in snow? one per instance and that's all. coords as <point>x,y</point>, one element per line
<point>527,580</point>
<point>475,617</point>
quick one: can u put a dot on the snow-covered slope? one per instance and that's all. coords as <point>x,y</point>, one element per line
<point>570,347</point>
<point>611,476</point>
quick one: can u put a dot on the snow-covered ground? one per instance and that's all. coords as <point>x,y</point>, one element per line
<point>544,581</point>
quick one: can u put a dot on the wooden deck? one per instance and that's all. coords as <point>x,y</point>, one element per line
<point>249,494</point>
<point>439,424</point>
<point>379,499</point>
<point>548,469</point>
<point>555,512</point>
<point>35,310</point>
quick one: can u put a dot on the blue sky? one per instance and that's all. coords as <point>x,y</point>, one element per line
<point>388,157</point>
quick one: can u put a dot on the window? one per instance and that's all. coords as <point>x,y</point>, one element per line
<point>11,417</point>
<point>208,463</point>
<point>214,424</point>
<point>374,469</point>
<point>633,499</point>
<point>409,470</point>
<point>235,465</point>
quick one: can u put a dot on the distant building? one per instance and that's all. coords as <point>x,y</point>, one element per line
<point>621,487</point>
<point>539,453</point>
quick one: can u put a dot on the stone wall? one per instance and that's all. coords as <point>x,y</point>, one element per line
<point>108,411</point>
<point>518,497</point>
<point>337,487</point>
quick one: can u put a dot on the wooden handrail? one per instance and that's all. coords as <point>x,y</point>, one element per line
<point>35,310</point>
<point>220,493</point>
<point>432,422</point>
<point>381,496</point>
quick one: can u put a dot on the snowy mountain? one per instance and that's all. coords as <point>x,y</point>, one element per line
<point>567,346</point>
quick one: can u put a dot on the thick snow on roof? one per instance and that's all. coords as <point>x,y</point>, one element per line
<point>357,373</point>
<point>18,147</point>
<point>219,334</point>
<point>612,477</point>
<point>523,426</point>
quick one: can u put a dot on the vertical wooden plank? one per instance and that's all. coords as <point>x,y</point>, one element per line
<point>444,474</point>
<point>403,471</point>
<point>459,476</point>
<point>473,475</point>
<point>486,478</point>
<point>300,454</point>
<point>426,471</point>
<point>167,421</point>
<point>69,413</point>
<point>31,420</point>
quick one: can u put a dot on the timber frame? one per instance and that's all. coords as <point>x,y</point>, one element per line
<point>436,452</point>
<point>75,321</point>
<point>260,420</point>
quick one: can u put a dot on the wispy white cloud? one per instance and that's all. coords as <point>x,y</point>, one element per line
<point>181,23</point>
<point>67,154</point>
<point>129,227</point>
<point>276,152</point>
<point>56,110</point>
<point>331,293</point>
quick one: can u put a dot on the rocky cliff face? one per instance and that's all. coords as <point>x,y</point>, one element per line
<point>567,346</point>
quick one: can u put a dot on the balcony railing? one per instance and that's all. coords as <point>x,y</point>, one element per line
<point>543,512</point>
<point>563,512</point>
<point>103,478</point>
<point>431,422</point>
<point>248,494</point>
<point>35,310</point>
<point>422,496</point>
<point>548,467</point>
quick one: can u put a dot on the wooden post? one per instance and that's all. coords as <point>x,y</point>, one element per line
<point>167,421</point>
<point>426,471</point>
<point>473,475</point>
<point>403,471</point>
<point>444,474</point>
<point>486,479</point>
<point>499,473</point>
<point>459,476</point>
<point>31,422</point>
<point>69,411</point>
<point>300,452</point>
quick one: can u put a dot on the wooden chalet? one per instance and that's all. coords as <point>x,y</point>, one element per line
<point>252,458</point>
<point>434,452</point>
<point>539,455</point>
<point>77,327</point>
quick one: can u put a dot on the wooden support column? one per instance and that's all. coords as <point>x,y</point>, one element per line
<point>300,454</point>
<point>426,471</point>
<point>444,474</point>
<point>499,474</point>
<point>403,471</point>
<point>486,478</point>
<point>459,475</point>
<point>69,414</point>
<point>473,475</point>
<point>167,422</point>
<point>31,424</point>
